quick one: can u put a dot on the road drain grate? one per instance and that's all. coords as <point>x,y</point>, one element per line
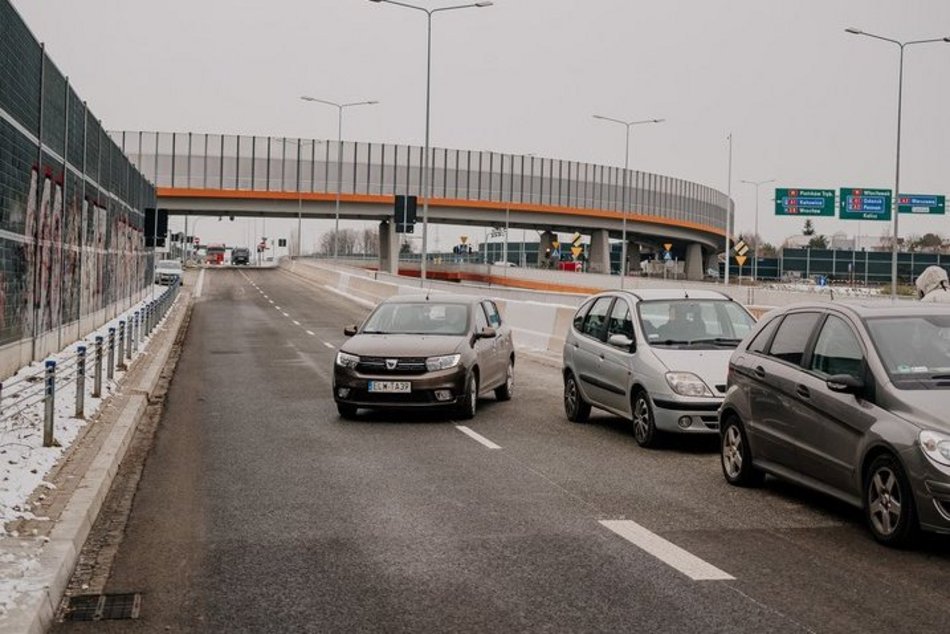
<point>100,607</point>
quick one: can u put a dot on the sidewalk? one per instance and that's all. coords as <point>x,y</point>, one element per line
<point>50,497</point>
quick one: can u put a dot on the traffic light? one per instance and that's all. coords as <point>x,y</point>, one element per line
<point>405,213</point>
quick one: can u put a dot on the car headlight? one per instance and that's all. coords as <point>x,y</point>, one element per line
<point>347,360</point>
<point>935,446</point>
<point>687,384</point>
<point>442,363</point>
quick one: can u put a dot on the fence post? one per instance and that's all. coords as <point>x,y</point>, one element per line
<point>807,262</point>
<point>50,403</point>
<point>121,350</point>
<point>137,331</point>
<point>97,381</point>
<point>110,366</point>
<point>128,340</point>
<point>80,381</point>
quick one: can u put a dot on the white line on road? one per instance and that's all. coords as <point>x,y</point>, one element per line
<point>200,284</point>
<point>285,314</point>
<point>277,307</point>
<point>478,437</point>
<point>271,301</point>
<point>296,323</point>
<point>311,333</point>
<point>666,551</point>
<point>328,344</point>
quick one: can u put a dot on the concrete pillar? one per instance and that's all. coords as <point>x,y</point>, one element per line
<point>694,261</point>
<point>388,247</point>
<point>599,252</point>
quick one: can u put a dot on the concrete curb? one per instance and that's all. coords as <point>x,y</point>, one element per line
<point>38,605</point>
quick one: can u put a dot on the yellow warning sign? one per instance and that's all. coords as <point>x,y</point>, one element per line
<point>576,251</point>
<point>555,243</point>
<point>668,246</point>
<point>576,239</point>
<point>464,239</point>
<point>740,259</point>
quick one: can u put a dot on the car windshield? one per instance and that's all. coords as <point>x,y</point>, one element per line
<point>913,347</point>
<point>169,264</point>
<point>423,318</point>
<point>693,321</point>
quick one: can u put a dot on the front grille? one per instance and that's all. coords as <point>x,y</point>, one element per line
<point>404,365</point>
<point>364,396</point>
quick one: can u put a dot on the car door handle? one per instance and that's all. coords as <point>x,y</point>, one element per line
<point>760,371</point>
<point>803,391</point>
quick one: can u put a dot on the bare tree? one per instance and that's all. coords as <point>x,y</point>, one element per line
<point>369,242</point>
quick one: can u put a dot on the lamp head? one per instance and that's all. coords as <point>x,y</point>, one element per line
<point>485,3</point>
<point>851,30</point>
<point>947,39</point>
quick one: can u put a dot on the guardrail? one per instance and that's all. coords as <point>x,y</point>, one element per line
<point>114,352</point>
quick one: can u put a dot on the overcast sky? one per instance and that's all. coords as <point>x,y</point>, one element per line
<point>807,103</point>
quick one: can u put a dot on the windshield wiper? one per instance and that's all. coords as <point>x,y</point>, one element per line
<point>671,342</point>
<point>720,341</point>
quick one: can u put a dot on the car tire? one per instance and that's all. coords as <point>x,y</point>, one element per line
<point>576,408</point>
<point>505,391</point>
<point>644,425</point>
<point>889,502</point>
<point>735,456</point>
<point>469,405</point>
<point>346,410</point>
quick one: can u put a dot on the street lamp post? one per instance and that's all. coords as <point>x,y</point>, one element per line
<point>897,169</point>
<point>755,256</point>
<point>339,158</point>
<point>623,189</point>
<point>425,160</point>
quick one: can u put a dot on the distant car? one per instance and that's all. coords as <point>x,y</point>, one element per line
<point>441,351</point>
<point>240,255</point>
<point>167,271</point>
<point>850,400</point>
<point>655,357</point>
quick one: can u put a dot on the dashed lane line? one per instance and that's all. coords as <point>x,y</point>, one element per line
<point>477,437</point>
<point>327,344</point>
<point>296,323</point>
<point>311,333</point>
<point>666,551</point>
<point>200,284</point>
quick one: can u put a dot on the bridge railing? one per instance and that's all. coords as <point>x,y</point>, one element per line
<point>231,162</point>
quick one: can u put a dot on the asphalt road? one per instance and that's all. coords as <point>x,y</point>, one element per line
<point>260,510</point>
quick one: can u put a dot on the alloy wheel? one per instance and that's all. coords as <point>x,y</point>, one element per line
<point>884,501</point>
<point>732,452</point>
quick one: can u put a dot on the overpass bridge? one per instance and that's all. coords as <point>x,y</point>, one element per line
<point>212,174</point>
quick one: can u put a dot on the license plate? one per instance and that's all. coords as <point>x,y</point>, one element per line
<point>390,386</point>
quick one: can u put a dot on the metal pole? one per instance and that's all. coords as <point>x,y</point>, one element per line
<point>50,402</point>
<point>80,381</point>
<point>97,380</point>
<point>110,366</point>
<point>425,158</point>
<point>897,175</point>
<point>755,252</point>
<point>623,207</point>
<point>121,357</point>
<point>339,182</point>
<point>728,211</point>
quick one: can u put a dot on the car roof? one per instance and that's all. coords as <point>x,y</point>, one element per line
<point>653,294</point>
<point>864,308</point>
<point>440,298</point>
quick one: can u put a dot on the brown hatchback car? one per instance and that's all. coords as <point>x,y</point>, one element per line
<point>439,351</point>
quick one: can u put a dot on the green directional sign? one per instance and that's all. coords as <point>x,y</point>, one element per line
<point>804,202</point>
<point>921,204</point>
<point>856,203</point>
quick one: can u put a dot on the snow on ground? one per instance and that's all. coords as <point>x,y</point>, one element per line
<point>24,462</point>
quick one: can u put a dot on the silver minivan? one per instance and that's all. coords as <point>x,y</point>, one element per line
<point>655,357</point>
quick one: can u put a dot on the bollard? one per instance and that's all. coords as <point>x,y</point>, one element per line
<point>128,340</point>
<point>50,403</point>
<point>1,398</point>
<point>97,381</point>
<point>110,366</point>
<point>80,381</point>
<point>120,365</point>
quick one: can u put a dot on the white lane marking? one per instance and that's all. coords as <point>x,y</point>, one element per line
<point>478,437</point>
<point>277,307</point>
<point>666,551</point>
<point>327,344</point>
<point>296,323</point>
<point>271,301</point>
<point>285,314</point>
<point>311,333</point>
<point>200,284</point>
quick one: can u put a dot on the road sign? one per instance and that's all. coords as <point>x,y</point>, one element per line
<point>740,259</point>
<point>404,213</point>
<point>921,204</point>
<point>576,251</point>
<point>864,204</point>
<point>740,248</point>
<point>667,246</point>
<point>555,244</point>
<point>576,239</point>
<point>804,202</point>
<point>463,239</point>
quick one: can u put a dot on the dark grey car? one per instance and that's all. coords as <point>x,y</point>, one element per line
<point>851,400</point>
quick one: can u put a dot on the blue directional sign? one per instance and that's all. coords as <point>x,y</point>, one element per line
<point>804,202</point>
<point>864,204</point>
<point>921,204</point>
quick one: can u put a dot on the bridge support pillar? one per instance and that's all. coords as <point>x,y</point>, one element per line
<point>694,261</point>
<point>388,248</point>
<point>599,252</point>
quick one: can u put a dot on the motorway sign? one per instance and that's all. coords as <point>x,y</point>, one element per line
<point>921,204</point>
<point>864,204</point>
<point>804,202</point>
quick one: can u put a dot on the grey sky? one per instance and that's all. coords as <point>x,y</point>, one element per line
<point>807,103</point>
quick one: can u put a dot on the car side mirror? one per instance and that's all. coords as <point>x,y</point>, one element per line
<point>844,384</point>
<point>623,342</point>
<point>486,333</point>
<point>349,331</point>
